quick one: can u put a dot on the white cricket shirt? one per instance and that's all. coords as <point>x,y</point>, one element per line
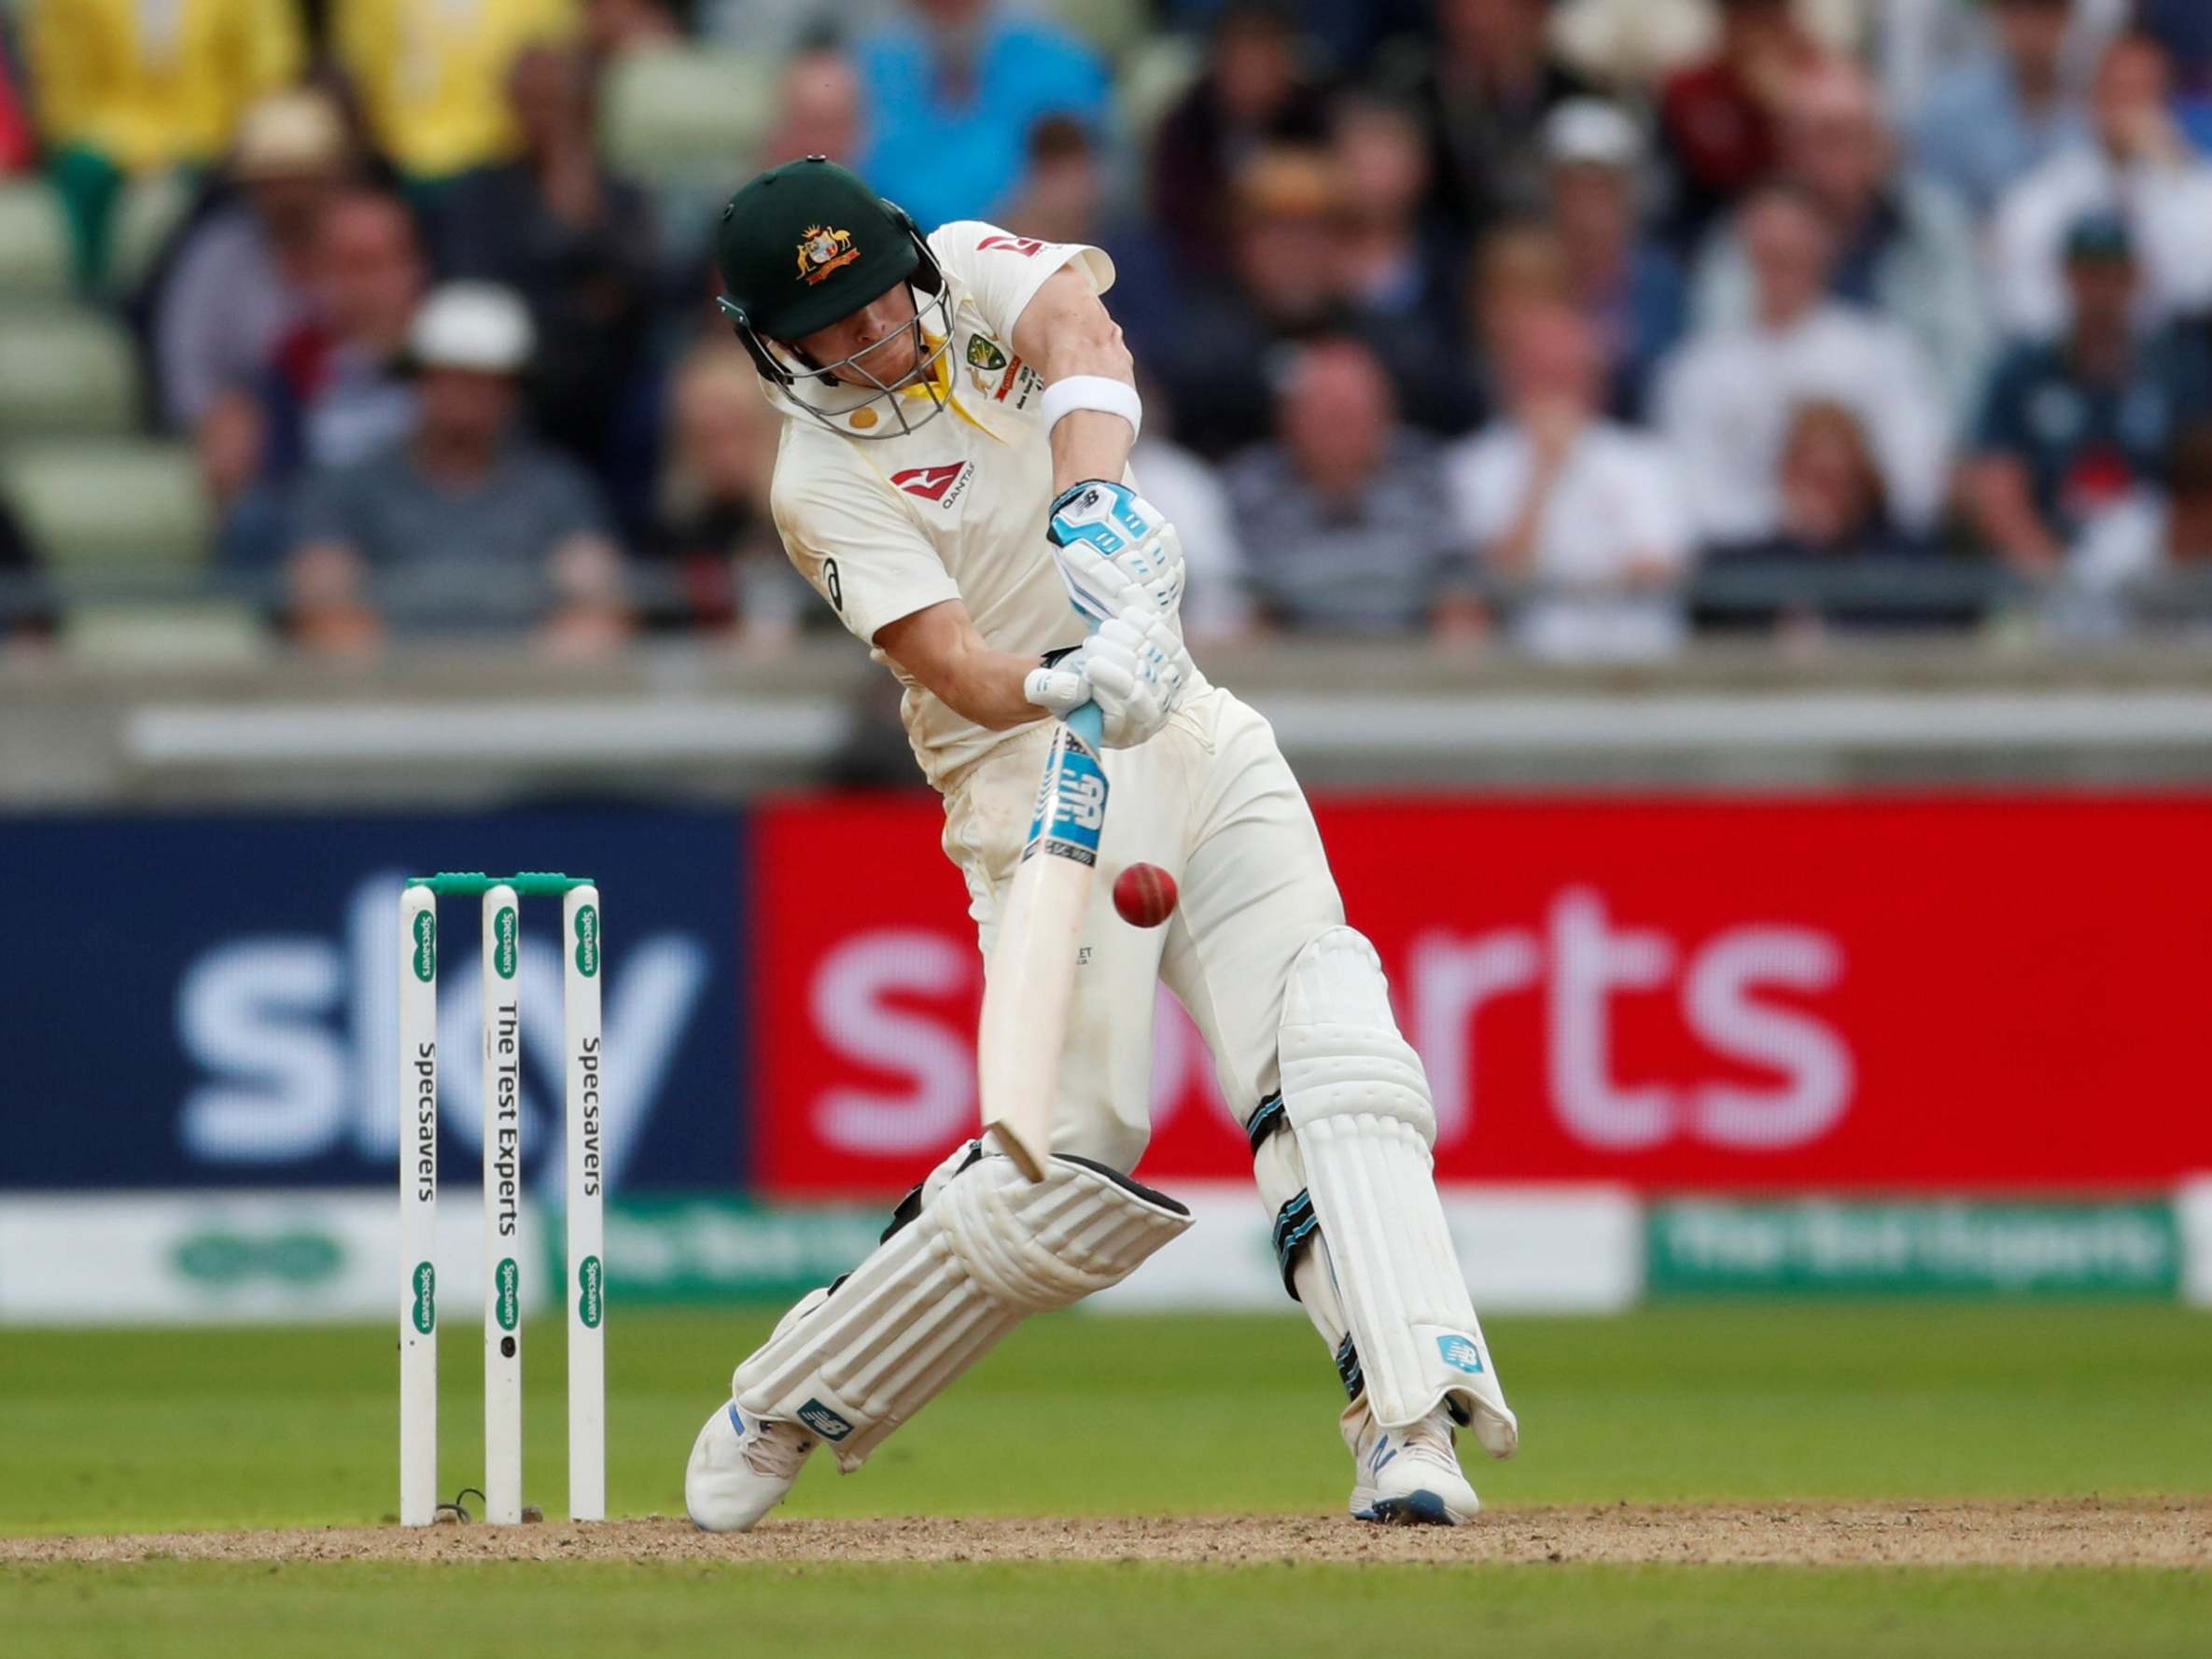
<point>885,527</point>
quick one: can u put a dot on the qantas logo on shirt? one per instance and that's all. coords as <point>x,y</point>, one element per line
<point>1027,246</point>
<point>943,485</point>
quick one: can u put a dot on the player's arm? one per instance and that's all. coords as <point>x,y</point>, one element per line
<point>1114,547</point>
<point>863,554</point>
<point>1133,667</point>
<point>941,647</point>
<point>1066,332</point>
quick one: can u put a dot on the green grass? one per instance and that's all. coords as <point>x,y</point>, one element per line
<point>194,1611</point>
<point>140,1430</point>
<point>155,1429</point>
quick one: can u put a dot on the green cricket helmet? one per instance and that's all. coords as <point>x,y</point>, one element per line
<point>806,245</point>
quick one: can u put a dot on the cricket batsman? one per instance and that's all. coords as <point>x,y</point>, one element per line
<point>953,470</point>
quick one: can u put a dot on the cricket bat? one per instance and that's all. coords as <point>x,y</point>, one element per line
<point>1031,975</point>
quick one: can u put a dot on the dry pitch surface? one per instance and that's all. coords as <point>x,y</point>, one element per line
<point>2148,1532</point>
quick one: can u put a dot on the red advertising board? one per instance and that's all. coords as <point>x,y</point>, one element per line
<point>1867,993</point>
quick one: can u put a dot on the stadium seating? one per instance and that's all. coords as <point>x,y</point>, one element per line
<point>207,633</point>
<point>65,371</point>
<point>1112,26</point>
<point>110,504</point>
<point>150,210</point>
<point>684,117</point>
<point>1156,73</point>
<point>33,243</point>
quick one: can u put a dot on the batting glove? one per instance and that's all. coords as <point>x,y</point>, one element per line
<point>1058,685</point>
<point>1113,548</point>
<point>1137,667</point>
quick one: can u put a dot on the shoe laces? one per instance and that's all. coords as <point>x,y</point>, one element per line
<point>776,1450</point>
<point>1431,1441</point>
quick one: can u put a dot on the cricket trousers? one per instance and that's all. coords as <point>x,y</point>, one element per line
<point>1211,800</point>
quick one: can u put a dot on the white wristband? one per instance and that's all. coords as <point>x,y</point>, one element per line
<point>1063,397</point>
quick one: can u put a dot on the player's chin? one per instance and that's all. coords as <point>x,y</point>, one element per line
<point>886,379</point>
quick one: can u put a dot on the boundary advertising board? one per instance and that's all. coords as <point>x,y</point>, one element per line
<point>1912,994</point>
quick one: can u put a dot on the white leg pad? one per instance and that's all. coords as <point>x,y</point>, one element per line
<point>987,1250</point>
<point>1358,1101</point>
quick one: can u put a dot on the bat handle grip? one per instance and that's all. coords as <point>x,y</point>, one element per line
<point>1085,720</point>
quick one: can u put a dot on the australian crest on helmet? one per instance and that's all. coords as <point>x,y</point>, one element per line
<point>823,250</point>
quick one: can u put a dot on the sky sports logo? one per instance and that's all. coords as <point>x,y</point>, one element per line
<point>288,1036</point>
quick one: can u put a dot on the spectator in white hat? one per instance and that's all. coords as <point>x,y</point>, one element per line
<point>1626,283</point>
<point>466,524</point>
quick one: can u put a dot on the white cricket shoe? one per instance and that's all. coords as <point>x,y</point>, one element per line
<point>1407,1476</point>
<point>741,1467</point>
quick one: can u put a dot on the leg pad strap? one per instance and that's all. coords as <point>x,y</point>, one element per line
<point>1296,1225</point>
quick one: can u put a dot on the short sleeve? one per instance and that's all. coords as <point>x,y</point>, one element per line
<point>1003,272</point>
<point>861,552</point>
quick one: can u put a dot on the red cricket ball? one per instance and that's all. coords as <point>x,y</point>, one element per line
<point>1145,895</point>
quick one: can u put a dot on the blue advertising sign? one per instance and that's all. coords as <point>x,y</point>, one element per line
<point>202,1002</point>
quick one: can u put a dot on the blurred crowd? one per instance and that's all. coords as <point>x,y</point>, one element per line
<point>1586,325</point>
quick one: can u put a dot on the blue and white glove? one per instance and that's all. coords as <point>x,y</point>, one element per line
<point>1115,549</point>
<point>1133,666</point>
